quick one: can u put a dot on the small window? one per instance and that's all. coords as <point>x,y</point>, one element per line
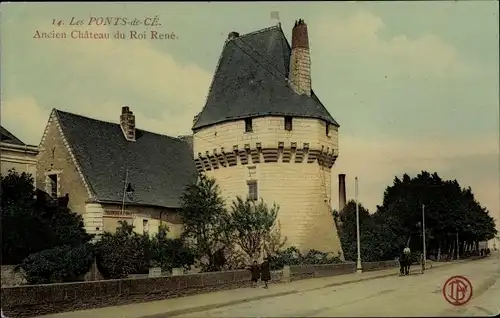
<point>328,129</point>
<point>248,125</point>
<point>288,123</point>
<point>145,226</point>
<point>252,190</point>
<point>53,185</point>
<point>252,172</point>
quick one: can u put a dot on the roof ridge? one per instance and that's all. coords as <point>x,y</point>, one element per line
<point>111,123</point>
<point>262,30</point>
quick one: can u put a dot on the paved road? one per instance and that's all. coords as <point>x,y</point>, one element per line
<point>414,295</point>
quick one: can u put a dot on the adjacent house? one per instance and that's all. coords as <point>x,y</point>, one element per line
<point>17,155</point>
<point>114,172</point>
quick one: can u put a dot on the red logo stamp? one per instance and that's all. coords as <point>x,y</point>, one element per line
<point>457,290</point>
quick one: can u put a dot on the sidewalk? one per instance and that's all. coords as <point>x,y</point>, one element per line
<point>202,302</point>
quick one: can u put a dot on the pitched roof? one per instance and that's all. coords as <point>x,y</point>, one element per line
<point>159,167</point>
<point>7,137</point>
<point>250,80</point>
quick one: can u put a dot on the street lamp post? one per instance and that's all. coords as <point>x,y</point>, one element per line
<point>423,235</point>
<point>359,268</point>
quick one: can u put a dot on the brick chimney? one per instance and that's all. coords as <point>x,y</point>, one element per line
<point>300,60</point>
<point>127,123</point>
<point>342,192</point>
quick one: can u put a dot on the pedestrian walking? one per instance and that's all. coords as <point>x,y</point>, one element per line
<point>422,262</point>
<point>255,271</point>
<point>265,272</point>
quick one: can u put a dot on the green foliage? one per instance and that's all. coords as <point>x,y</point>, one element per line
<point>123,253</point>
<point>292,256</point>
<point>170,253</point>
<point>378,242</point>
<point>33,222</point>
<point>59,264</point>
<point>206,222</point>
<point>274,240</point>
<point>252,224</point>
<point>449,210</point>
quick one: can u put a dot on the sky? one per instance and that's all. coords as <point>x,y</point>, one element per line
<point>413,85</point>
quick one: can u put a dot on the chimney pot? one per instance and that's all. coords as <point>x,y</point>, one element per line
<point>232,35</point>
<point>300,36</point>
<point>125,109</point>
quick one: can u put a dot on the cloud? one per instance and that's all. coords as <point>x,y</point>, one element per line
<point>361,33</point>
<point>473,162</point>
<point>177,90</point>
<point>25,119</point>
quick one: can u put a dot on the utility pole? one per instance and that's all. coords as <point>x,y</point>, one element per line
<point>359,268</point>
<point>125,184</point>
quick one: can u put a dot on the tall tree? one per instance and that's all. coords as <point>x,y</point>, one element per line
<point>32,221</point>
<point>453,217</point>
<point>378,242</point>
<point>205,221</point>
<point>252,223</point>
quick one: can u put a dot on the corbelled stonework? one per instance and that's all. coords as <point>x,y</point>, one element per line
<point>247,155</point>
<point>295,173</point>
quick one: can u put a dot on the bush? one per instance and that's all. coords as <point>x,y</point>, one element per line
<point>292,256</point>
<point>58,264</point>
<point>170,253</point>
<point>123,253</point>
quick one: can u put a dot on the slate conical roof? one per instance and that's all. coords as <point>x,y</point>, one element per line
<point>251,81</point>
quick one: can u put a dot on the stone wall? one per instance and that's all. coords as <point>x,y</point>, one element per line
<point>37,300</point>
<point>10,277</point>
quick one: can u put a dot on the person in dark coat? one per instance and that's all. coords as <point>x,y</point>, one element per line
<point>265,273</point>
<point>401,263</point>
<point>255,270</point>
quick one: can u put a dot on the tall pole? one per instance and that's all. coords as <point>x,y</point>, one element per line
<point>359,269</point>
<point>124,191</point>
<point>423,234</point>
<point>458,249</point>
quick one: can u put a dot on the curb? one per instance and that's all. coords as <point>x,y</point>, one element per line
<point>179,312</point>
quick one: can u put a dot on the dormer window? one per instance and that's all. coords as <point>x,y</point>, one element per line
<point>248,125</point>
<point>288,123</point>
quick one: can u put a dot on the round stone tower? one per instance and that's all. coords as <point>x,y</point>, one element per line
<point>263,133</point>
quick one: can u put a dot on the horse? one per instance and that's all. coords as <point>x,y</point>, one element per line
<point>405,262</point>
